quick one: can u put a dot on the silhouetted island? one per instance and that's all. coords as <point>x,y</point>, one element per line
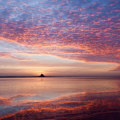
<point>41,75</point>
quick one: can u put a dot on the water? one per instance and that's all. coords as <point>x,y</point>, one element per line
<point>18,94</point>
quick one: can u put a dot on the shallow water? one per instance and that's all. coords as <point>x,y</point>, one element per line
<point>18,94</point>
<point>51,87</point>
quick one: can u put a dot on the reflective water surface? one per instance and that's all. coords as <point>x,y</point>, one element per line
<point>60,98</point>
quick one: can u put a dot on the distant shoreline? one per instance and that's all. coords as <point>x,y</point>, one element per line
<point>60,76</point>
<point>18,76</point>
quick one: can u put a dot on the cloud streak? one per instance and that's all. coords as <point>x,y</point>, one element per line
<point>10,55</point>
<point>116,69</point>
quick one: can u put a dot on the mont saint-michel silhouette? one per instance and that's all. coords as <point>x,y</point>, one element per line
<point>41,75</point>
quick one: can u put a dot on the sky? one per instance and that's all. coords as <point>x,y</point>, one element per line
<point>60,37</point>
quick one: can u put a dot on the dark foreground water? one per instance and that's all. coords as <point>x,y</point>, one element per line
<point>60,98</point>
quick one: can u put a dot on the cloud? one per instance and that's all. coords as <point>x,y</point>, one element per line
<point>116,69</point>
<point>10,55</point>
<point>4,54</point>
<point>22,59</point>
<point>88,29</point>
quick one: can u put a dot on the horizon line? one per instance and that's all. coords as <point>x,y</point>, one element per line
<point>51,76</point>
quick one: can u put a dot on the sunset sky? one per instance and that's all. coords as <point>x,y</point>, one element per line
<point>60,37</point>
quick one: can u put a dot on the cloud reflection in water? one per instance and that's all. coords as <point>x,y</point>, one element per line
<point>87,106</point>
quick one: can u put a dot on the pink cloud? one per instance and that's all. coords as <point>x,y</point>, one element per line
<point>4,54</point>
<point>116,69</point>
<point>10,55</point>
